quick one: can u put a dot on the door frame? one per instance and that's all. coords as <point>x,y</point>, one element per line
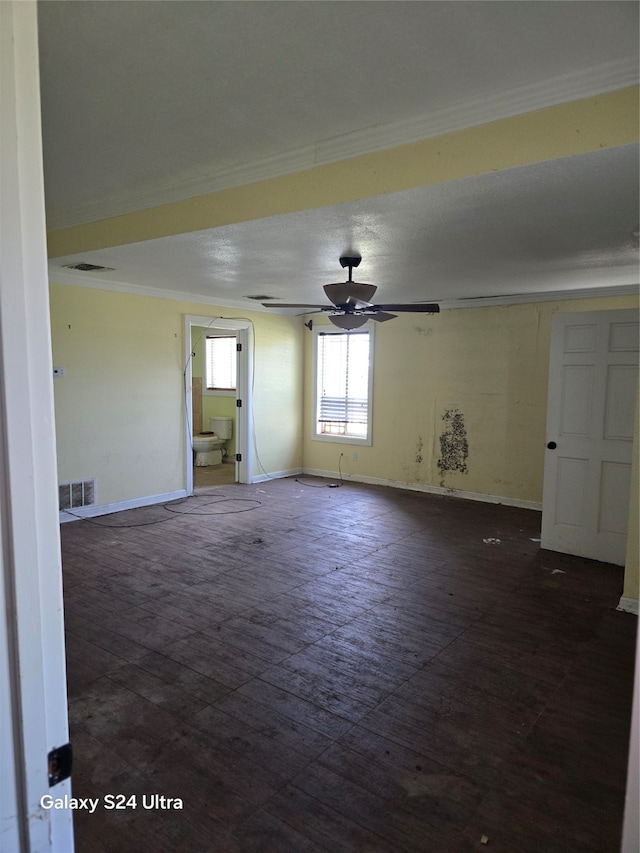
<point>243,330</point>
<point>33,694</point>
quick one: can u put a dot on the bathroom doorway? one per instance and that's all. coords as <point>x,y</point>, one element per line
<point>223,347</point>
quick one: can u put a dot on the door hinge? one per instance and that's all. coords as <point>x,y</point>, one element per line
<point>238,404</point>
<point>59,763</point>
<point>238,457</point>
<point>238,347</point>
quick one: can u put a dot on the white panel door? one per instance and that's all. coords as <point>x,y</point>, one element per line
<point>593,378</point>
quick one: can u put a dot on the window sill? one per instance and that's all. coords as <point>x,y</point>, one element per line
<point>342,439</point>
<point>208,392</point>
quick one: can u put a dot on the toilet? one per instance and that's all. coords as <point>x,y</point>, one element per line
<point>223,428</point>
<point>207,447</point>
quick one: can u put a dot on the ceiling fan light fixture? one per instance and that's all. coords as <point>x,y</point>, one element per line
<point>349,292</point>
<point>348,321</point>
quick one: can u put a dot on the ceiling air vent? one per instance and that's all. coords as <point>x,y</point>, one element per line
<point>86,267</point>
<point>261,298</point>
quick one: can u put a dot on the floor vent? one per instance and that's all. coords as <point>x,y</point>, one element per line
<point>74,495</point>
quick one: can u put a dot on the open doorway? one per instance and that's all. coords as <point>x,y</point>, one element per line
<point>217,377</point>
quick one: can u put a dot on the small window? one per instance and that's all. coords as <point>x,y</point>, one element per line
<point>343,386</point>
<point>220,363</point>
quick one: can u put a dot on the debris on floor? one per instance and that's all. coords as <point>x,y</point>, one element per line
<point>491,541</point>
<point>484,839</point>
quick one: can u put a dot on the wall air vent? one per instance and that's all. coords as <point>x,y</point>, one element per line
<point>78,494</point>
<point>87,267</point>
<point>262,298</point>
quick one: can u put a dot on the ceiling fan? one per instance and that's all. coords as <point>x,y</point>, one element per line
<point>351,307</point>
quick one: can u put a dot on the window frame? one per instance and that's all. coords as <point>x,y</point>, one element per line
<point>366,440</point>
<point>216,392</point>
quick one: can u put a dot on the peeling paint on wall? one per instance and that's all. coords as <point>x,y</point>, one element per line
<point>454,447</point>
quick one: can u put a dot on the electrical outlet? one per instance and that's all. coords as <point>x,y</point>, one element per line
<point>58,371</point>
<point>354,457</point>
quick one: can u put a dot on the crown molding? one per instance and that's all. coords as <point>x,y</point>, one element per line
<point>58,276</point>
<point>546,296</point>
<point>606,77</point>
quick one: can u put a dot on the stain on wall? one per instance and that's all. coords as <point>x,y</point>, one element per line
<point>454,447</point>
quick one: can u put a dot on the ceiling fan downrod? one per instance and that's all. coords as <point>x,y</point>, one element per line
<point>350,261</point>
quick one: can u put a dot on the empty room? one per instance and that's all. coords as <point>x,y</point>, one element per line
<point>320,426</point>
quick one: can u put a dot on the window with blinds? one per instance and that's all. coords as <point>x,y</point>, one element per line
<point>220,363</point>
<point>343,380</point>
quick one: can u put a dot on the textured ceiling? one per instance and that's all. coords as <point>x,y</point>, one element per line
<point>532,229</point>
<point>141,97</point>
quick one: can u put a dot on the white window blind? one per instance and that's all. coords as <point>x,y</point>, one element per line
<point>343,384</point>
<point>221,363</point>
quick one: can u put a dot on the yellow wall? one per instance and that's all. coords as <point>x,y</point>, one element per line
<point>489,364</point>
<point>120,406</point>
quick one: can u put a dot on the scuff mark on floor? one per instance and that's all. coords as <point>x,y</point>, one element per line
<point>419,784</point>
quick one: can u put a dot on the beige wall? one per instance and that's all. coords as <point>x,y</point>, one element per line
<point>490,365</point>
<point>120,406</point>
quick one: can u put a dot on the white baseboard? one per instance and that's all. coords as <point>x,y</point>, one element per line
<point>107,509</point>
<point>432,490</point>
<point>276,475</point>
<point>628,605</point>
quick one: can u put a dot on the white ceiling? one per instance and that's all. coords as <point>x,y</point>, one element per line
<point>145,102</point>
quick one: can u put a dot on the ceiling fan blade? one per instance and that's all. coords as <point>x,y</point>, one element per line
<point>296,305</point>
<point>411,307</point>
<point>380,316</point>
<point>350,293</point>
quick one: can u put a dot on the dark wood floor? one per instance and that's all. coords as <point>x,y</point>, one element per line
<point>347,669</point>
